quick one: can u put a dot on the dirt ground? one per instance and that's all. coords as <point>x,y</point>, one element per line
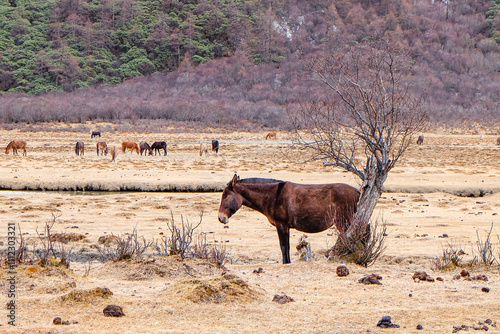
<point>442,195</point>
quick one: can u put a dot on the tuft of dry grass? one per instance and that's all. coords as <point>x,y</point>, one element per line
<point>94,296</point>
<point>222,289</point>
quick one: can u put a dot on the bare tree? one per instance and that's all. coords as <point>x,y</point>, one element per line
<point>368,122</point>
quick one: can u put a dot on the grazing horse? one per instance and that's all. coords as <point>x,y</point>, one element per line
<point>159,145</point>
<point>130,145</point>
<point>16,145</point>
<point>102,148</point>
<point>79,148</point>
<point>113,152</point>
<point>95,134</point>
<point>420,140</point>
<point>304,207</point>
<point>215,146</point>
<point>145,147</point>
<point>203,149</point>
<point>271,135</point>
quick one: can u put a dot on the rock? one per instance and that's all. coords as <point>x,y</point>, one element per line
<point>258,271</point>
<point>371,279</point>
<point>485,289</point>
<point>420,326</point>
<point>464,273</point>
<point>282,299</point>
<point>386,322</point>
<point>57,321</point>
<point>113,311</point>
<point>342,271</point>
<point>422,276</point>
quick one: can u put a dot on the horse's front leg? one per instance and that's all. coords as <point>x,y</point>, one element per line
<point>284,236</point>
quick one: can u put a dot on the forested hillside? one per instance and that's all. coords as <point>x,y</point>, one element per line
<point>228,61</point>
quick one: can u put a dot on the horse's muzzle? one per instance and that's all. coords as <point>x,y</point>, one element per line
<point>223,218</point>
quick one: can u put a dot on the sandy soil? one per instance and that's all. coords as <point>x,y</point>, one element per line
<point>420,206</point>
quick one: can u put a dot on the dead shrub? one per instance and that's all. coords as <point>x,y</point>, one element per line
<point>450,259</point>
<point>52,251</point>
<point>363,247</point>
<point>486,249</point>
<point>218,254</point>
<point>179,242</point>
<point>125,247</point>
<point>215,253</point>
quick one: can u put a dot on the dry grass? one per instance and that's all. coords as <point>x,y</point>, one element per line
<point>158,293</point>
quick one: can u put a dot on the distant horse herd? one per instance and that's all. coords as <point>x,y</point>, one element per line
<point>158,147</point>
<point>142,147</point>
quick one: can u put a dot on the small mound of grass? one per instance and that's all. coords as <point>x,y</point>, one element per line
<point>67,237</point>
<point>224,288</point>
<point>92,296</point>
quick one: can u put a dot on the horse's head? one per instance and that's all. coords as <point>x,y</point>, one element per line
<point>231,201</point>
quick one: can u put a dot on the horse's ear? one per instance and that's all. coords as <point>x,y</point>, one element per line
<point>234,180</point>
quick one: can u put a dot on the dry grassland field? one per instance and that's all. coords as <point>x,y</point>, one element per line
<point>441,194</point>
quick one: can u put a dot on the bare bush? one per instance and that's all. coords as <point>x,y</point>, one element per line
<point>180,239</point>
<point>125,247</point>
<point>363,247</point>
<point>218,254</point>
<point>450,259</point>
<point>200,248</point>
<point>53,250</point>
<point>22,255</point>
<point>486,249</point>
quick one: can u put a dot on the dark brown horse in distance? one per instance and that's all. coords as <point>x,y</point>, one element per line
<point>420,140</point>
<point>95,134</point>
<point>215,146</point>
<point>271,135</point>
<point>159,145</point>
<point>16,145</point>
<point>79,148</point>
<point>305,207</point>
<point>145,147</point>
<point>130,145</point>
<point>102,148</point>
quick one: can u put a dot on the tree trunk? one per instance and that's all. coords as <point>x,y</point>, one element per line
<point>359,231</point>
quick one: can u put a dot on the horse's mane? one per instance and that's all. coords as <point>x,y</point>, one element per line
<point>258,180</point>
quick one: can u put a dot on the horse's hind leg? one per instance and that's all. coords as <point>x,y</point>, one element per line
<point>284,237</point>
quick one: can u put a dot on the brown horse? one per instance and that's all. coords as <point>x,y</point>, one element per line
<point>145,147</point>
<point>203,149</point>
<point>271,135</point>
<point>79,148</point>
<point>159,145</point>
<point>113,151</point>
<point>16,145</point>
<point>420,140</point>
<point>102,148</point>
<point>130,145</point>
<point>498,141</point>
<point>304,207</point>
<point>95,134</point>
